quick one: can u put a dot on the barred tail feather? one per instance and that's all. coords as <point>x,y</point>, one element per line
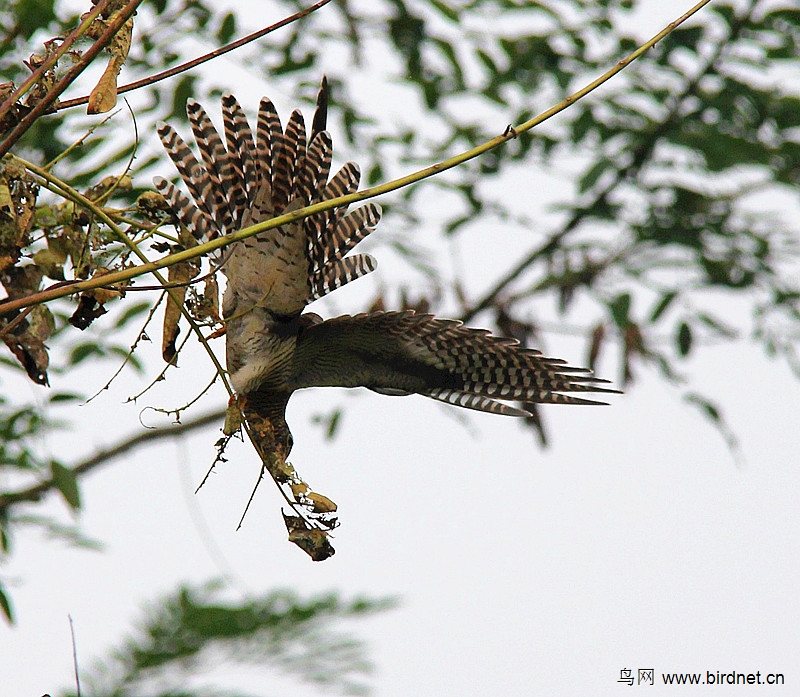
<point>351,229</point>
<point>269,137</point>
<point>217,166</point>
<point>547,397</point>
<point>344,182</point>
<point>244,180</point>
<point>340,272</point>
<point>187,165</point>
<point>289,156</point>
<point>320,120</point>
<point>197,222</point>
<point>313,175</point>
<point>241,155</point>
<point>477,402</point>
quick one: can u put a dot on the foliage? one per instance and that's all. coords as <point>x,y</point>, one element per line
<point>668,236</point>
<point>192,636</point>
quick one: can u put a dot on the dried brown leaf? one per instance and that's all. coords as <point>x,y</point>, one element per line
<point>26,341</point>
<point>44,84</point>
<point>51,262</point>
<point>321,504</point>
<point>233,419</point>
<point>633,346</point>
<point>13,116</point>
<point>21,281</point>
<point>209,307</point>
<point>180,274</point>
<point>91,303</point>
<point>18,194</point>
<point>596,344</point>
<point>103,97</point>
<point>88,311</point>
<point>152,205</point>
<point>106,184</point>
<point>299,489</point>
<point>315,543</point>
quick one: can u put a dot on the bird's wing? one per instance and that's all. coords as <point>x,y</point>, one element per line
<point>247,180</point>
<point>406,353</point>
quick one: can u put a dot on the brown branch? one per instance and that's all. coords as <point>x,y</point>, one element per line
<point>38,491</point>
<point>119,18</point>
<point>158,77</point>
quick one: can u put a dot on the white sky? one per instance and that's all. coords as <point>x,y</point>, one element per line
<point>634,542</point>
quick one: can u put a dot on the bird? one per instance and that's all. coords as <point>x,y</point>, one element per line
<point>274,347</point>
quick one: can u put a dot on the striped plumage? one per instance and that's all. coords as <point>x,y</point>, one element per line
<point>401,353</point>
<point>253,180</point>
<point>272,348</point>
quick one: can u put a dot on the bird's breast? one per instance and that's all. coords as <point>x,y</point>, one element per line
<point>259,351</point>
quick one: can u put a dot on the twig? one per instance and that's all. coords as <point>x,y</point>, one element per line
<point>37,492</point>
<point>158,77</point>
<point>54,57</point>
<point>141,333</point>
<point>88,56</point>
<point>75,657</point>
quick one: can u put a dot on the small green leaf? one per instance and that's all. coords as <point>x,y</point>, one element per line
<point>65,481</point>
<point>227,28</point>
<point>130,312</point>
<point>717,326</point>
<point>333,423</point>
<point>487,60</point>
<point>588,180</point>
<point>620,310</point>
<point>710,410</point>
<point>60,397</point>
<point>5,606</point>
<point>445,9</point>
<point>684,339</point>
<point>83,351</point>
<point>663,304</point>
<point>375,174</point>
<point>713,414</point>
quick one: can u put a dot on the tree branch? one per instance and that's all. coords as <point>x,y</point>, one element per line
<point>38,491</point>
<point>53,58</point>
<point>638,159</point>
<point>114,25</point>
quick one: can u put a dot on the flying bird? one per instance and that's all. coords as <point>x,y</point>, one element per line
<point>273,347</point>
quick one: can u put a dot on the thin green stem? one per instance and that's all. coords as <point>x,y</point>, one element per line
<point>79,199</point>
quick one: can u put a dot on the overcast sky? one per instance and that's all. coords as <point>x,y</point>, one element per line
<point>635,541</point>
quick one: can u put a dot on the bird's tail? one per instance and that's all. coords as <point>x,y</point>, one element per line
<point>248,180</point>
